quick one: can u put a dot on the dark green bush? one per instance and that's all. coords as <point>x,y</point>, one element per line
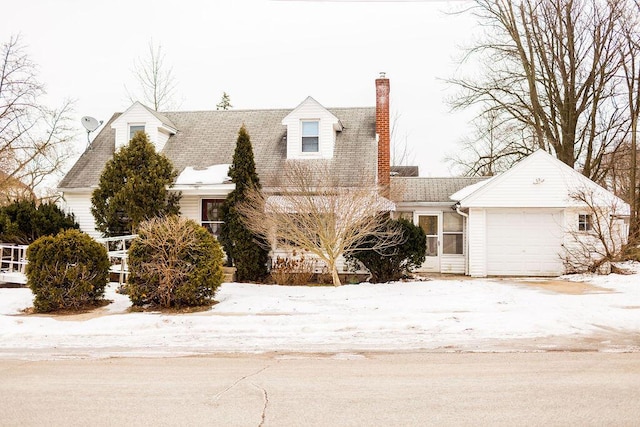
<point>23,222</point>
<point>68,271</point>
<point>173,263</point>
<point>396,262</point>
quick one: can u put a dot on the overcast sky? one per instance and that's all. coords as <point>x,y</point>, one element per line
<point>264,54</point>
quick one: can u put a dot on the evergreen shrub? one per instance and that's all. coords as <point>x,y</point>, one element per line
<point>68,271</point>
<point>245,250</point>
<point>173,263</point>
<point>22,222</point>
<point>396,262</point>
<point>133,187</point>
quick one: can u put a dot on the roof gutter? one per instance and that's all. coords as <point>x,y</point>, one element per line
<point>466,237</point>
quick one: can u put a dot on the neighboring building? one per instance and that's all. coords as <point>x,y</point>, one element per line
<point>516,223</point>
<point>12,189</point>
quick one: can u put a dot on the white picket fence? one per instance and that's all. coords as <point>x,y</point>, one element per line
<point>14,259</point>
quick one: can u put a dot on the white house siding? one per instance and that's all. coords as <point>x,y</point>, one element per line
<point>477,242</point>
<point>190,207</point>
<point>454,264</point>
<point>80,205</point>
<point>540,181</point>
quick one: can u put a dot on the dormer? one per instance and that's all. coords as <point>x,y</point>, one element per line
<point>311,131</point>
<point>140,118</point>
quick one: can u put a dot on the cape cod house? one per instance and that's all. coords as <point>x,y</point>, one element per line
<point>517,223</point>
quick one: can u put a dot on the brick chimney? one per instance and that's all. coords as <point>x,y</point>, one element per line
<point>383,132</point>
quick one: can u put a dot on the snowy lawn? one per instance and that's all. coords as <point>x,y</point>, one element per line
<point>450,314</point>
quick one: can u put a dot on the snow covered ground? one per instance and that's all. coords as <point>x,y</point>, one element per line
<point>440,314</point>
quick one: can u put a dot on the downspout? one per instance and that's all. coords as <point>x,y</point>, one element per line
<point>466,238</point>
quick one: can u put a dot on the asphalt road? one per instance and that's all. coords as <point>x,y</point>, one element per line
<point>585,388</point>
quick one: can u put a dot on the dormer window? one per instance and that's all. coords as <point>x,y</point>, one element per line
<point>133,129</point>
<point>311,131</point>
<point>310,136</point>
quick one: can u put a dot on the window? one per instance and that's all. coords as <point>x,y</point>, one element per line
<point>584,222</point>
<point>310,136</point>
<point>210,218</point>
<point>135,128</point>
<point>452,233</point>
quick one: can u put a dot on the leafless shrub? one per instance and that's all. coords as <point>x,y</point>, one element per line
<point>311,211</point>
<point>598,236</point>
<point>295,270</point>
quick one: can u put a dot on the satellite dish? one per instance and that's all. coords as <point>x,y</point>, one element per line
<point>90,124</point>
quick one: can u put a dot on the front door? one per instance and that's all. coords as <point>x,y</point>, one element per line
<point>430,223</point>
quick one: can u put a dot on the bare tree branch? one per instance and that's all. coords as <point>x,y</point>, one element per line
<point>549,67</point>
<point>35,141</point>
<point>156,82</point>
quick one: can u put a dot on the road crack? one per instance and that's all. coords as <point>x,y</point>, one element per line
<point>238,381</point>
<point>265,396</point>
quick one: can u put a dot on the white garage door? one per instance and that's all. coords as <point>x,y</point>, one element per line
<point>524,243</point>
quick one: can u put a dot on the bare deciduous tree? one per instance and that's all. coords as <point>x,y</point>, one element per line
<point>630,60</point>
<point>35,141</point>
<point>156,83</point>
<point>491,149</point>
<point>599,236</point>
<point>401,152</point>
<point>311,211</point>
<point>549,68</point>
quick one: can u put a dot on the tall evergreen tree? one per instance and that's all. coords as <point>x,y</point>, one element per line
<point>133,188</point>
<point>244,249</point>
<point>225,102</point>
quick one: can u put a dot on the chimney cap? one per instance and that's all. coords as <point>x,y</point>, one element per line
<point>383,75</point>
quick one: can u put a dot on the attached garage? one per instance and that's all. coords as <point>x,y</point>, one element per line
<point>520,222</point>
<point>524,242</point>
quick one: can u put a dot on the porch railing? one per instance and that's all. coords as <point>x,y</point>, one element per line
<point>13,263</point>
<point>14,259</point>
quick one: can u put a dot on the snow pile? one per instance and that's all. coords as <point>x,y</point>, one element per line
<point>462,314</point>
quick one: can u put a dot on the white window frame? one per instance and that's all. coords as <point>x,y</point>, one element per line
<point>585,222</point>
<point>207,222</point>
<point>303,136</point>
<point>452,233</point>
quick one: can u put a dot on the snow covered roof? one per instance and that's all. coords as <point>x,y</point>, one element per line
<point>215,174</point>
<point>464,192</point>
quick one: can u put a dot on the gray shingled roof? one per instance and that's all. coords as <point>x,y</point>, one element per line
<point>206,138</point>
<point>434,190</point>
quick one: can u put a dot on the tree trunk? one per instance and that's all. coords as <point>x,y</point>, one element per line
<point>633,182</point>
<point>334,273</point>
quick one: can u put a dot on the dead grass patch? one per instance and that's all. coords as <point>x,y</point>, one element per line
<point>564,286</point>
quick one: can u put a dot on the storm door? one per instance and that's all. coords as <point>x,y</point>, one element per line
<point>431,224</point>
